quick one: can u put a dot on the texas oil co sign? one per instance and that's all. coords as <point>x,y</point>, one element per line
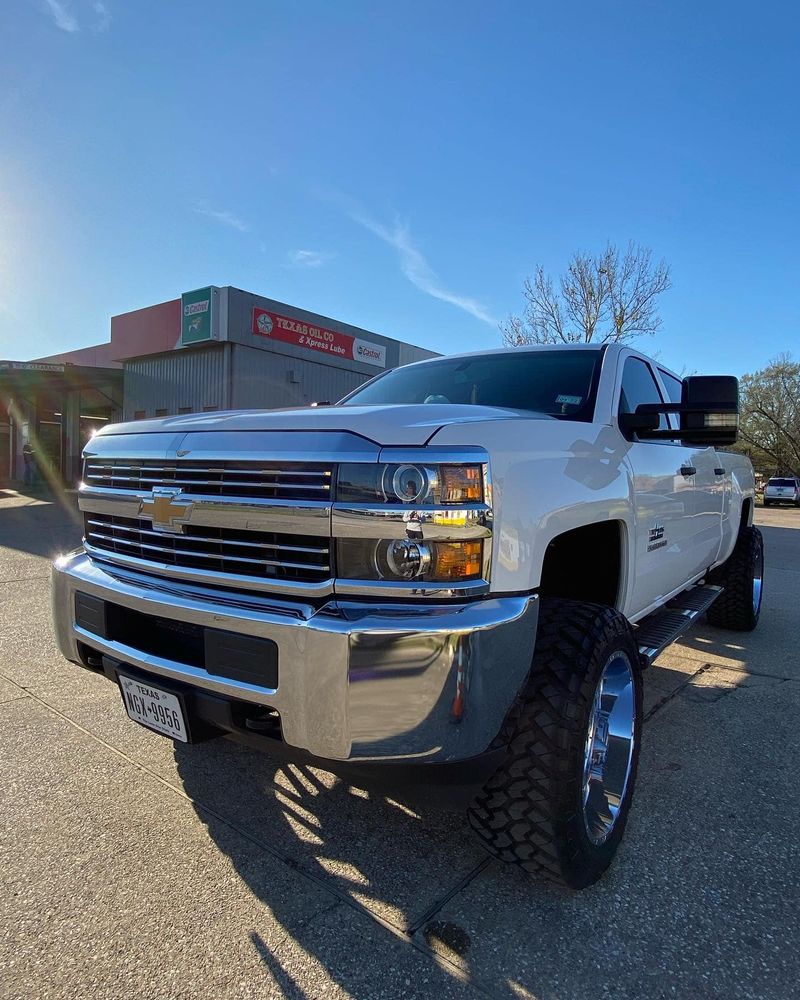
<point>317,338</point>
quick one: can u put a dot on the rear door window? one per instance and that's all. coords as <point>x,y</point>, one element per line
<point>672,385</point>
<point>674,390</point>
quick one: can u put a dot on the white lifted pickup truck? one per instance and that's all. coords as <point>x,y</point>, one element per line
<point>452,580</point>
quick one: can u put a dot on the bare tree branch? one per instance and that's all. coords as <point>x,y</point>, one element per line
<point>605,297</point>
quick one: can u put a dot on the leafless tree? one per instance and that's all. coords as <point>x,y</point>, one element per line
<point>769,428</point>
<point>611,296</point>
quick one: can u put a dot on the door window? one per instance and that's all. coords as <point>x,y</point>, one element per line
<point>673,386</point>
<point>639,386</point>
<point>674,389</point>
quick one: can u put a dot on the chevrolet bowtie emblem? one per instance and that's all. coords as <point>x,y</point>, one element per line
<point>166,510</point>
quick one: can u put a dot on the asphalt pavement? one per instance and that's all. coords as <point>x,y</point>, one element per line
<point>130,867</point>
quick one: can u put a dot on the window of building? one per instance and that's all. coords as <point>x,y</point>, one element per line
<point>184,409</point>
<point>139,414</point>
<point>162,412</point>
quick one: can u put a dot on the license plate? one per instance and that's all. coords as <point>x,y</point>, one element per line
<point>150,706</point>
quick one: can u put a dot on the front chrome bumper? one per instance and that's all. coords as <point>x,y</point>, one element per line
<point>356,681</point>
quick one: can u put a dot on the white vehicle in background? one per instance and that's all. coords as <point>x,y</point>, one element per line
<point>782,489</point>
<point>450,581</point>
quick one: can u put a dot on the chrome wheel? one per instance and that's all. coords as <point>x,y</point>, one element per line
<point>608,752</point>
<point>758,579</point>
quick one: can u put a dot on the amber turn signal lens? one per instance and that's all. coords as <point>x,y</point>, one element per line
<point>461,483</point>
<point>456,560</point>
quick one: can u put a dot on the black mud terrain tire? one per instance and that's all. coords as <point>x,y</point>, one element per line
<point>742,576</point>
<point>532,812</point>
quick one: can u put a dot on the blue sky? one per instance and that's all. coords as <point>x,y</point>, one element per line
<point>399,166</point>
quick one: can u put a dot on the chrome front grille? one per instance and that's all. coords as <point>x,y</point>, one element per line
<point>246,479</point>
<point>170,506</point>
<point>256,554</point>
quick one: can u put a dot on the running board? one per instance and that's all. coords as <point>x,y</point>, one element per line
<point>661,628</point>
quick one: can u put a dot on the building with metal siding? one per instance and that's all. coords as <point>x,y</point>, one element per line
<point>190,381</point>
<point>266,380</point>
<point>239,366</point>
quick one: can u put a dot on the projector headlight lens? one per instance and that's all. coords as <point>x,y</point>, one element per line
<point>404,559</point>
<point>409,483</point>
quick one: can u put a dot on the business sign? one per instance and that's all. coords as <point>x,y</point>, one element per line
<point>317,338</point>
<point>30,366</point>
<point>199,315</point>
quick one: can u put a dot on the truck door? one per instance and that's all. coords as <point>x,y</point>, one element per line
<point>710,493</point>
<point>663,496</point>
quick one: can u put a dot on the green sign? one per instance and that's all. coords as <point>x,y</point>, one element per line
<point>198,315</point>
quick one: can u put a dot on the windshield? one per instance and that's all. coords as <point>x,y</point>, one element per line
<point>781,482</point>
<point>559,383</point>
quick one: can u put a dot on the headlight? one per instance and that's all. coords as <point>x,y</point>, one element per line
<point>406,559</point>
<point>418,525</point>
<point>410,484</point>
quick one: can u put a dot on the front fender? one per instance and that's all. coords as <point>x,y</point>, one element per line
<point>548,477</point>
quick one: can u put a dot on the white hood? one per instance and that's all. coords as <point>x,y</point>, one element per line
<point>403,424</point>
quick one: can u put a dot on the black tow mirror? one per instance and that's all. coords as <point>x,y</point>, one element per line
<point>638,423</point>
<point>709,412</point>
<point>710,409</point>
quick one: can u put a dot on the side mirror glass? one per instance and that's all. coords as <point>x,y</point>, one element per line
<point>710,410</point>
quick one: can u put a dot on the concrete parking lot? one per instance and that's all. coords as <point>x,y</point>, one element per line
<point>133,868</point>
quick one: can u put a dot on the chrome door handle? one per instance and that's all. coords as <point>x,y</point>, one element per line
<point>688,470</point>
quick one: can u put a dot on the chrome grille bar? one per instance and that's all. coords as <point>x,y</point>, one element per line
<point>283,560</point>
<point>215,541</point>
<point>194,554</point>
<point>246,479</point>
<point>208,482</point>
<point>257,470</point>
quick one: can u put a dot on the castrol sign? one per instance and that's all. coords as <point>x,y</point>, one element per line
<point>316,338</point>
